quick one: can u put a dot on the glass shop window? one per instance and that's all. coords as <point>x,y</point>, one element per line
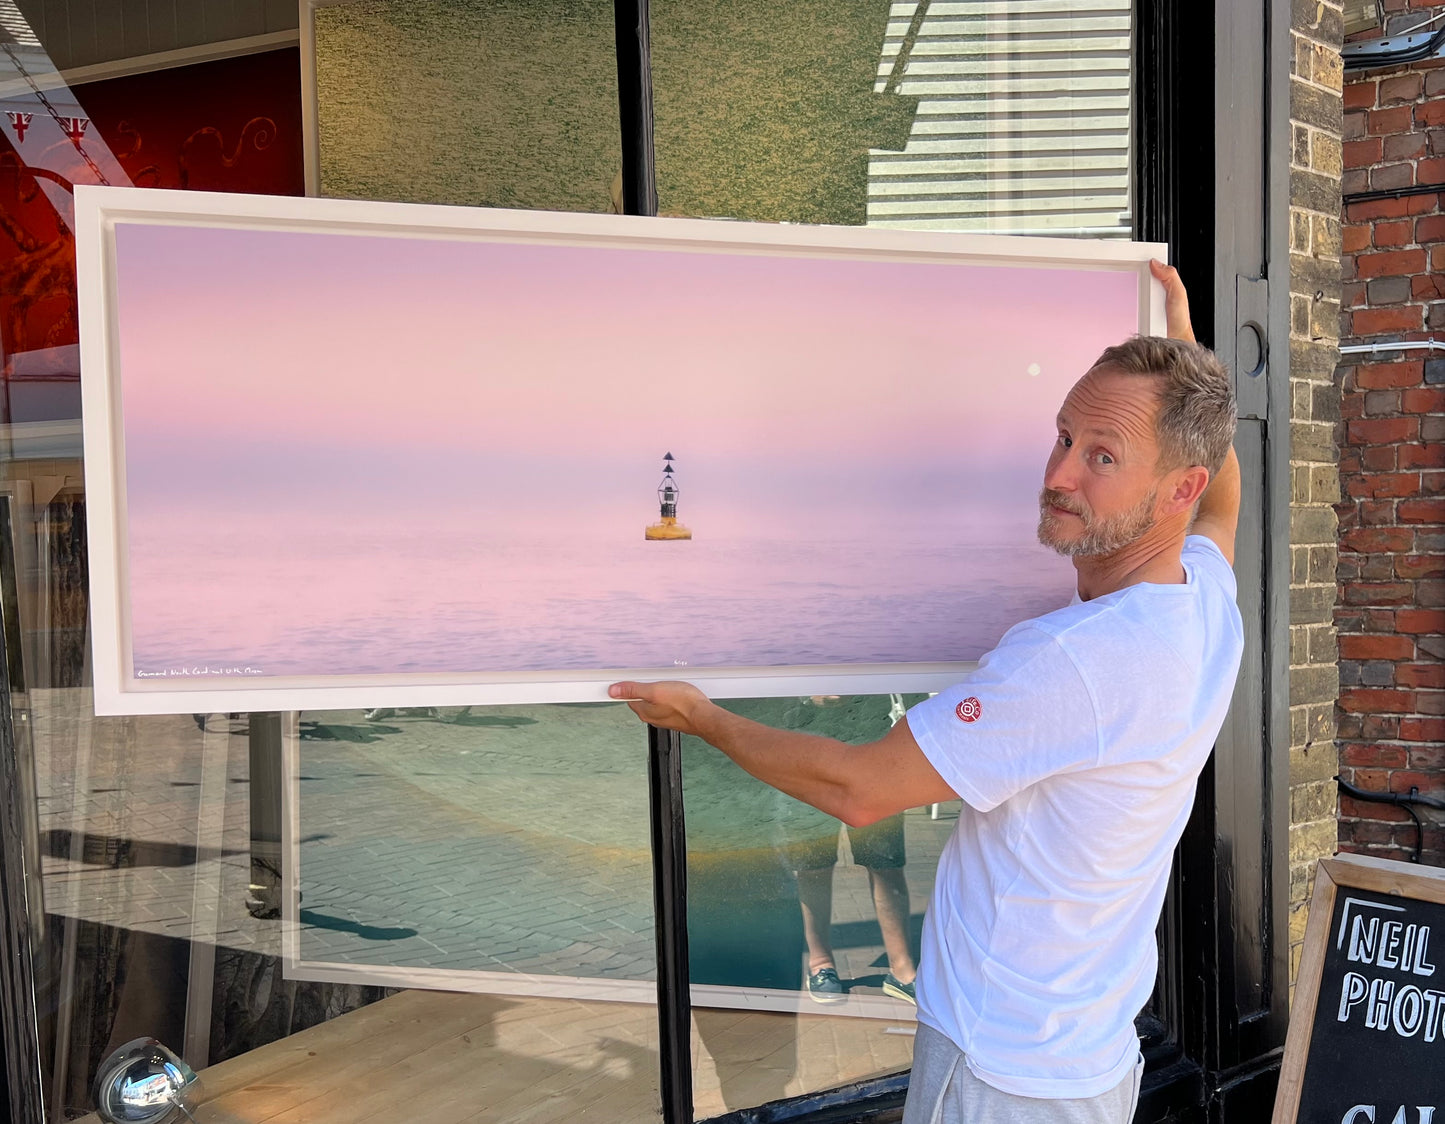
<point>982,115</point>
<point>974,115</point>
<point>428,908</point>
<point>411,909</point>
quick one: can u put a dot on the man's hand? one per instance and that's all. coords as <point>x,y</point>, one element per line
<point>1176,301</point>
<point>671,705</point>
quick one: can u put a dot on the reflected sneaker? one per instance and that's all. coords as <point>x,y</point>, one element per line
<point>895,987</point>
<point>824,986</point>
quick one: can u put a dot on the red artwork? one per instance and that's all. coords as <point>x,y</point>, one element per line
<point>231,125</point>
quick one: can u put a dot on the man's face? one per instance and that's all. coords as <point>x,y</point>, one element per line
<point>1101,487</point>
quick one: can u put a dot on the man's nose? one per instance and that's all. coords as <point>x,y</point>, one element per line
<point>1062,472</point>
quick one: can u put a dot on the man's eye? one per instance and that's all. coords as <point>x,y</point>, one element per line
<point>1066,441</point>
<point>1105,458</point>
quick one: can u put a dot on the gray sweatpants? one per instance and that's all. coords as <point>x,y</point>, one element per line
<point>943,1090</point>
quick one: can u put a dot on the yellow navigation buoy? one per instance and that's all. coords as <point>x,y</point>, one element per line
<point>667,527</point>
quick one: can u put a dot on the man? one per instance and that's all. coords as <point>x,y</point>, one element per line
<point>1075,747</point>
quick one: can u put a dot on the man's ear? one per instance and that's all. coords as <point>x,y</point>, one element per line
<point>1183,488</point>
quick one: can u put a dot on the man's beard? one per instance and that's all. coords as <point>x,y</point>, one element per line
<point>1101,536</point>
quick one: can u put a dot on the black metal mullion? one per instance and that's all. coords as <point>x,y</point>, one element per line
<point>634,95</point>
<point>669,884</point>
<point>664,747</point>
<point>19,1026</point>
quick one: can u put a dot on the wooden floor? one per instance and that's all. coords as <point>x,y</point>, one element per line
<point>428,1057</point>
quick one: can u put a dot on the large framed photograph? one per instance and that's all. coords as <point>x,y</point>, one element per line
<point>357,454</point>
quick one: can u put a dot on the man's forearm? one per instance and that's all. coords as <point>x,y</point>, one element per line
<point>1221,498</point>
<point>805,766</point>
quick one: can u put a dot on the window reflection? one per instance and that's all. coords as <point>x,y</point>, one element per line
<point>778,891</point>
<point>493,103</point>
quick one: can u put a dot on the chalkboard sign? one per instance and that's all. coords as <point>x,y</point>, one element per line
<point>1366,1040</point>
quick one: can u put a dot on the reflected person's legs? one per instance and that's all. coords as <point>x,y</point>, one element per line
<point>815,895</point>
<point>890,900</point>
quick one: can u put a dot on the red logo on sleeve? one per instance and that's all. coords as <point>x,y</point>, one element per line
<point>970,710</point>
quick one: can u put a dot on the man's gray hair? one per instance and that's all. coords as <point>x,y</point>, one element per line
<point>1195,423</point>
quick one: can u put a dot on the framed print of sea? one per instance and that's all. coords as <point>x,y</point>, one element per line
<point>346,453</point>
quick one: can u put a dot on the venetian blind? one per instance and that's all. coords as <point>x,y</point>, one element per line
<point>1023,122</point>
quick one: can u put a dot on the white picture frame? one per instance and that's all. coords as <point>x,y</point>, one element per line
<point>99,210</point>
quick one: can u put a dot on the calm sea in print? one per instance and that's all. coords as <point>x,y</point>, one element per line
<point>438,457</point>
<point>358,600</point>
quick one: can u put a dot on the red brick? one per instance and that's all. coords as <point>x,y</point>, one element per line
<point>1420,621</point>
<point>1426,113</point>
<point>1361,95</point>
<point>1420,675</point>
<point>1387,813</point>
<point>1379,321</point>
<point>1385,484</point>
<point>1421,456</point>
<point>1430,228</point>
<point>1431,170</point>
<point>1397,119</point>
<point>1383,376</point>
<point>1382,431</point>
<point>1425,757</point>
<point>1375,700</point>
<point>1364,832</point>
<point>1423,400</point>
<point>1395,263</point>
<point>1376,513</point>
<point>1379,727</point>
<point>1378,540</point>
<point>1430,594</point>
<point>1405,87</point>
<point>1403,780</point>
<point>1379,458</point>
<point>1355,238</point>
<point>1356,647</point>
<point>1379,593</point>
<point>1427,287</point>
<point>1369,778</point>
<point>1410,146</point>
<point>1413,567</point>
<point>1378,209</point>
<point>1379,756</point>
<point>1363,153</point>
<point>1398,233</point>
<point>1421,510</point>
<point>1422,204</point>
<point>1422,729</point>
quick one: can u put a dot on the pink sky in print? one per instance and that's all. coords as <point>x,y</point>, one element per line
<point>333,402</point>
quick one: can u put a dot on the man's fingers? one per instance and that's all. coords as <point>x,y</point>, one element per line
<point>628,690</point>
<point>1176,300</point>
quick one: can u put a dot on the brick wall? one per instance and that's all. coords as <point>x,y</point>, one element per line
<point>1392,464</point>
<point>1315,166</point>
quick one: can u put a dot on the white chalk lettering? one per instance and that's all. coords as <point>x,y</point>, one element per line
<point>1364,938</point>
<point>1390,937</point>
<point>1377,1006</point>
<point>1422,966</point>
<point>1407,1011</point>
<point>1365,1114</point>
<point>1354,990</point>
<point>1433,1006</point>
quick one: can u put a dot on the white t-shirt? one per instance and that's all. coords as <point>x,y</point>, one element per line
<point>1075,747</point>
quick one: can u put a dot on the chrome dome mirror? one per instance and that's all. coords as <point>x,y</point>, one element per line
<point>144,1083</point>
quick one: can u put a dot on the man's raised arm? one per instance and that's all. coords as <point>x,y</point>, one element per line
<point>1218,515</point>
<point>859,784</point>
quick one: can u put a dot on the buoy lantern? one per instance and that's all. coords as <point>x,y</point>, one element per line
<point>667,527</point>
